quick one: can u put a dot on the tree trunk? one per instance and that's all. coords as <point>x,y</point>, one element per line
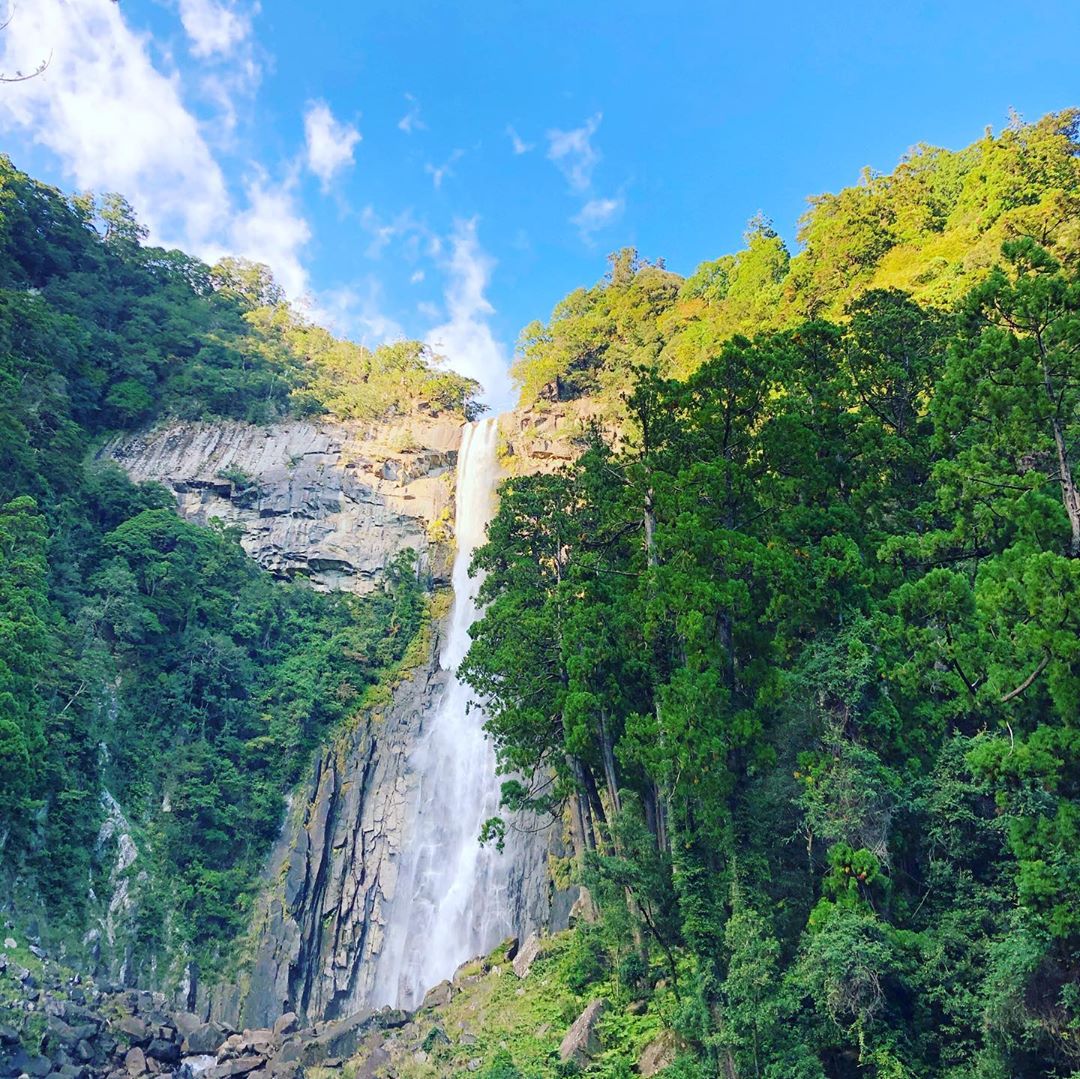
<point>608,753</point>
<point>1069,493</point>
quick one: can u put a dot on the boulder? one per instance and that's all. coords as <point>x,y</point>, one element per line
<point>59,1033</point>
<point>584,909</point>
<point>135,1062</point>
<point>286,1024</point>
<point>471,970</point>
<point>659,1054</point>
<point>438,995</point>
<point>582,1042</point>
<point>134,1028</point>
<point>35,1066</point>
<point>286,1069</point>
<point>185,1023</point>
<point>168,1052</point>
<point>232,1047</point>
<point>236,1066</point>
<point>525,958</point>
<point>205,1038</point>
<point>261,1041</point>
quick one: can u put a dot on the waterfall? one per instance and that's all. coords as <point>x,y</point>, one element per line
<point>453,897</point>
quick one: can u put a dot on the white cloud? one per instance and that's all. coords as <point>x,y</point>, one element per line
<point>574,154</point>
<point>330,143</point>
<point>112,119</point>
<point>466,338</point>
<point>440,172</point>
<point>411,121</point>
<point>417,277</point>
<point>596,214</point>
<point>117,123</point>
<point>273,231</point>
<point>519,144</point>
<point>215,27</point>
<point>355,311</point>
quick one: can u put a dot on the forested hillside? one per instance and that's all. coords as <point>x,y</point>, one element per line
<point>802,652</point>
<point>141,655</point>
<point>792,647</point>
<point>931,228</point>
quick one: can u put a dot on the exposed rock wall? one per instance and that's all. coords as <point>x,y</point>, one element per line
<point>333,503</point>
<point>549,434</point>
<point>329,501</point>
<point>334,872</point>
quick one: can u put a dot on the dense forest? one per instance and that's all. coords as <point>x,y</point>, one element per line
<point>798,651</point>
<point>147,664</point>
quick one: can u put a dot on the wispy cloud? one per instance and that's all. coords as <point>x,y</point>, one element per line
<point>273,230</point>
<point>519,144</point>
<point>466,338</point>
<point>215,27</point>
<point>411,121</point>
<point>417,277</point>
<point>112,119</point>
<point>117,123</point>
<point>440,172</point>
<point>356,311</point>
<point>596,214</point>
<point>574,154</point>
<point>402,227</point>
<point>330,143</point>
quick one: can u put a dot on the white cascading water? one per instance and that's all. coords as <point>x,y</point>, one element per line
<point>452,898</point>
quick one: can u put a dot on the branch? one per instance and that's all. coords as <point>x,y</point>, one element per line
<point>1027,681</point>
<point>20,77</point>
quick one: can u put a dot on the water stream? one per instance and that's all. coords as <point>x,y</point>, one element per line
<point>453,896</point>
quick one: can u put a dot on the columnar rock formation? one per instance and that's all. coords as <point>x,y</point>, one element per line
<point>329,501</point>
<point>333,503</point>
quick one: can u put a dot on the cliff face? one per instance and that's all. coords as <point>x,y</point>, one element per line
<point>334,869</point>
<point>328,501</point>
<point>320,925</point>
<point>332,503</point>
<point>548,435</point>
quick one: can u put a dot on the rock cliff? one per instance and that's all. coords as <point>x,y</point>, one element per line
<point>333,874</point>
<point>332,503</point>
<point>545,436</point>
<point>329,501</point>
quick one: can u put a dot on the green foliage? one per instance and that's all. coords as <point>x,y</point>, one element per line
<point>141,655</point>
<point>798,660</point>
<point>932,228</point>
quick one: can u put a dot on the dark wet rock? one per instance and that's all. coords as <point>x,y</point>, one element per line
<point>205,1038</point>
<point>167,1052</point>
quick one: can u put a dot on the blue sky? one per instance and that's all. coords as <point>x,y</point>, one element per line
<point>448,171</point>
